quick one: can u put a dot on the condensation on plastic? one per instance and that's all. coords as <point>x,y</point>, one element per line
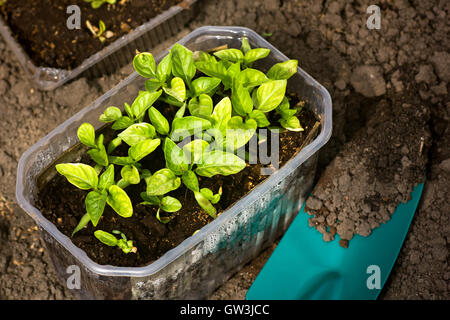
<point>202,262</point>
<point>112,57</point>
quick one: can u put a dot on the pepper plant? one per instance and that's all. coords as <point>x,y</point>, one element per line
<point>220,102</point>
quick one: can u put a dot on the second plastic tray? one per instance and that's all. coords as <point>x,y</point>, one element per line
<point>112,57</point>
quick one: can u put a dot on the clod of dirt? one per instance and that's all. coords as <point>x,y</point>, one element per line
<point>374,172</point>
<point>369,81</point>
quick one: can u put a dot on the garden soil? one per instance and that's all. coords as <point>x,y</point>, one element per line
<point>378,79</point>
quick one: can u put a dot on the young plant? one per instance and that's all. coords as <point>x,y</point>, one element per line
<point>110,240</point>
<point>95,4</point>
<point>202,139</point>
<point>99,32</point>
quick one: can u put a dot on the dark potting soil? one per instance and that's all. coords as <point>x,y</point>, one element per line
<point>41,27</point>
<point>63,204</point>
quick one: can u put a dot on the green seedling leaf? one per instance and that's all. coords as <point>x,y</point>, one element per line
<point>213,69</point>
<point>150,200</point>
<point>122,123</point>
<point>195,149</point>
<point>176,160</point>
<point>190,180</point>
<point>231,55</point>
<point>201,106</point>
<point>251,78</point>
<point>130,174</point>
<point>242,102</point>
<point>255,54</point>
<point>164,69</point>
<point>152,85</point>
<point>187,126</point>
<point>177,89</point>
<point>204,85</point>
<point>232,73</point>
<point>126,245</point>
<point>86,134</point>
<point>120,202</point>
<point>137,133</point>
<point>159,121</point>
<point>144,101</point>
<point>144,64</point>
<point>182,63</point>
<point>170,204</point>
<point>95,205</point>
<point>202,56</point>
<point>99,155</point>
<point>208,194</point>
<point>239,133</point>
<point>219,162</point>
<point>260,118</point>
<point>121,161</point>
<point>180,112</point>
<point>83,223</point>
<point>284,109</point>
<point>205,204</point>
<point>128,110</point>
<point>283,70</point>
<point>110,114</point>
<point>106,238</point>
<point>106,179</point>
<point>291,124</point>
<point>113,144</point>
<point>269,95</point>
<point>221,114</point>
<point>163,220</point>
<point>162,182</point>
<point>78,174</point>
<point>143,148</point>
<point>245,47</point>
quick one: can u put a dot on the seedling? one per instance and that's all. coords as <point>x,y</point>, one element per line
<point>110,240</point>
<point>99,32</point>
<point>95,4</point>
<point>201,140</point>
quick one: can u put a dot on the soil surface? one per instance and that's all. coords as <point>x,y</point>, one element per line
<point>41,27</point>
<point>151,237</point>
<point>405,62</point>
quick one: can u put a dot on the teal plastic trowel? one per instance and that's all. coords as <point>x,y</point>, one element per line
<point>303,266</point>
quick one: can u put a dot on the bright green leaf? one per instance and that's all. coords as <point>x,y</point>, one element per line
<point>137,132</point>
<point>201,106</point>
<point>106,238</point>
<point>130,174</point>
<point>95,205</point>
<point>182,63</point>
<point>269,95</point>
<point>110,114</point>
<point>78,174</point>
<point>283,70</point>
<point>176,160</point>
<point>143,148</point>
<point>144,64</point>
<point>144,101</point>
<point>177,89</point>
<point>159,121</point>
<point>190,180</point>
<point>86,134</point>
<point>120,202</point>
<point>204,85</point>
<point>187,126</point>
<point>232,55</point>
<point>255,54</point>
<point>106,179</point>
<point>170,204</point>
<point>162,182</point>
<point>219,162</point>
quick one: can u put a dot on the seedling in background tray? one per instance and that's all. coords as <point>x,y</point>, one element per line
<point>98,3</point>
<point>202,139</point>
<point>99,32</point>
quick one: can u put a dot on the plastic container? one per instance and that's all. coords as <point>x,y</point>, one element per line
<point>202,262</point>
<point>112,57</point>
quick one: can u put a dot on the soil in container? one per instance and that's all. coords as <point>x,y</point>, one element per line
<point>63,204</point>
<point>41,27</point>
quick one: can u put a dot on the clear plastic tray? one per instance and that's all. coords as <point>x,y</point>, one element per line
<point>202,262</point>
<point>112,57</point>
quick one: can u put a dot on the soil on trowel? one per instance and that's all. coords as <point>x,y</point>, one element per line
<point>373,173</point>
